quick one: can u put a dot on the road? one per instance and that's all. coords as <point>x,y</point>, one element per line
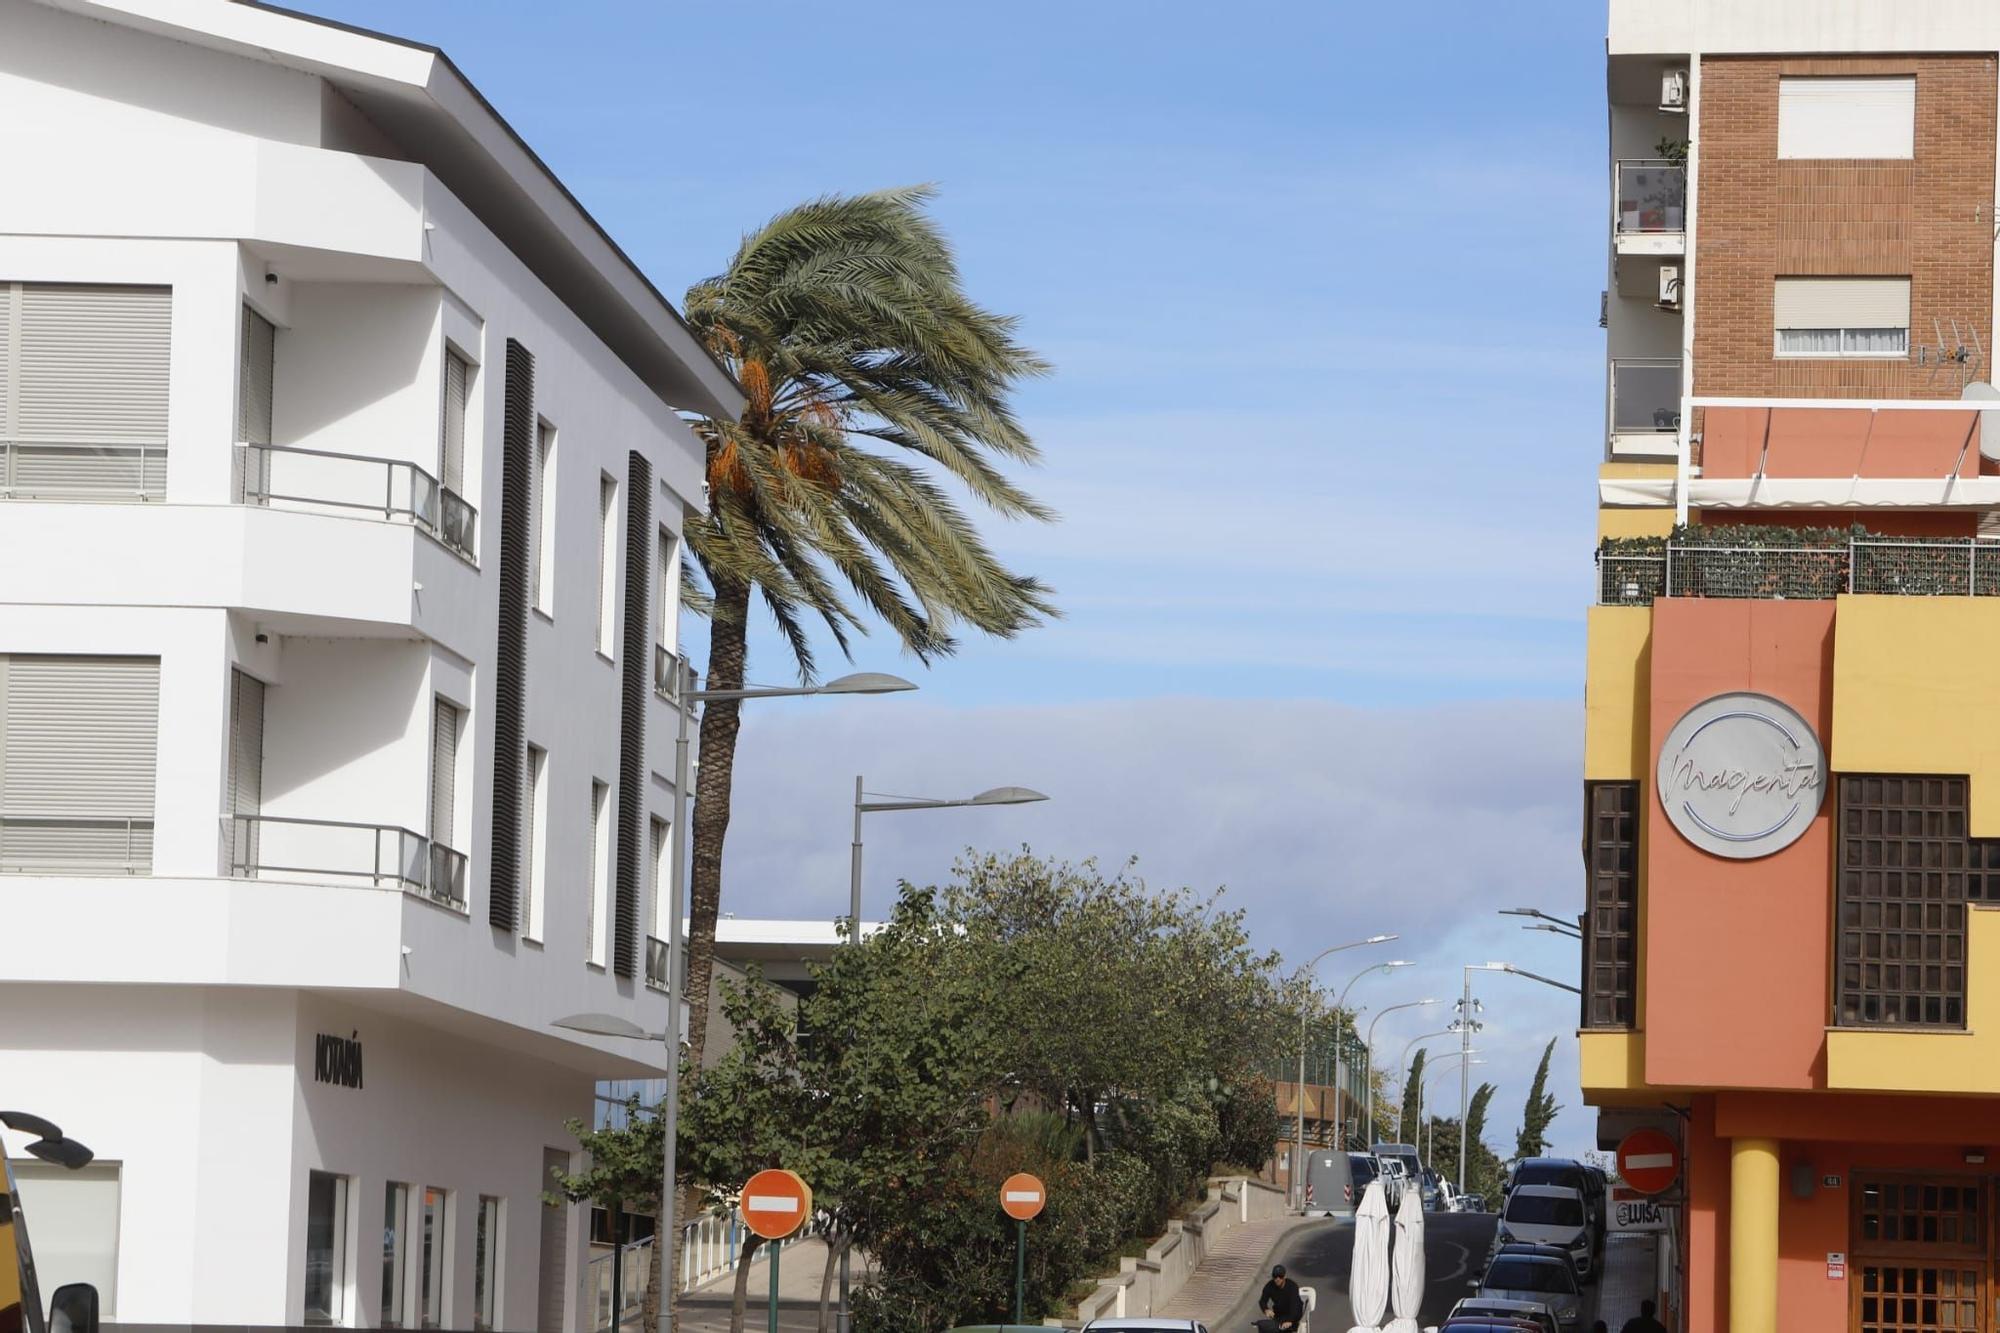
<point>1455,1248</point>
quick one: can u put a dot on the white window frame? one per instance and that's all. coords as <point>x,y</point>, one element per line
<point>1848,351</point>
<point>669,599</point>
<point>543,565</point>
<point>535,874</point>
<point>398,1278</point>
<point>489,1245</point>
<point>434,1266</point>
<point>452,451</point>
<point>340,1293</point>
<point>660,832</point>
<point>1815,126</point>
<point>607,566</point>
<point>596,908</point>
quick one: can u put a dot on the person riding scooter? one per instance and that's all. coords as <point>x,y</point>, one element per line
<point>1281,1302</point>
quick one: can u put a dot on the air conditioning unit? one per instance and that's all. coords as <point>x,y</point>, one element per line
<point>1670,287</point>
<point>1674,90</point>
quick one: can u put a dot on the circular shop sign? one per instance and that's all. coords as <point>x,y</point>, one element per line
<point>1741,775</point>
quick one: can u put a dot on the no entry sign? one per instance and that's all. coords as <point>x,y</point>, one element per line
<point>775,1203</point>
<point>1022,1196</point>
<point>1649,1160</point>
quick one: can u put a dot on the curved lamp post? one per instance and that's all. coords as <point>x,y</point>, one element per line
<point>863,806</point>
<point>1299,976</point>
<point>1368,1059</point>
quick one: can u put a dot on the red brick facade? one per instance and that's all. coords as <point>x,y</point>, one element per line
<point>1759,218</point>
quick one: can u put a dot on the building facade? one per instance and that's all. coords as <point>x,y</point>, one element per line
<point>1792,768</point>
<point>342,476</point>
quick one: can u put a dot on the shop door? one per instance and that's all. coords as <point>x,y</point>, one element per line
<point>1920,1255</point>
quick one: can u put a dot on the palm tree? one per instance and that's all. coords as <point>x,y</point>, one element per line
<point>870,379</point>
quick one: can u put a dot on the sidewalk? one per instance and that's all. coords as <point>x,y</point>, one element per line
<point>705,1309</point>
<point>1629,1277</point>
<point>1233,1267</point>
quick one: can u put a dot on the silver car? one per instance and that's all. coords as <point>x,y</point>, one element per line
<point>1535,1278</point>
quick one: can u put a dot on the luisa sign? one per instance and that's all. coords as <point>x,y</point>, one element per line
<point>1741,775</point>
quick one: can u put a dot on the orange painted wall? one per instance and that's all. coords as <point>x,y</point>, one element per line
<point>1727,940</point>
<point>1834,442</point>
<point>1882,522</point>
<point>1706,1265</point>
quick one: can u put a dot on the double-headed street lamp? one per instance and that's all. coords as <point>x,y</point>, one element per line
<point>1555,925</point>
<point>1368,1059</point>
<point>1300,976</point>
<point>863,806</point>
<point>1464,1081</point>
<point>685,696</point>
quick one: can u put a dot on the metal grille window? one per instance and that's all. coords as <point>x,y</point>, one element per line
<point>1611,855</point>
<point>83,391</point>
<point>1901,877</point>
<point>78,737</point>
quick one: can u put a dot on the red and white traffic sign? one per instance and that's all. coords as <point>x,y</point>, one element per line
<point>1022,1196</point>
<point>776,1203</point>
<point>1649,1160</point>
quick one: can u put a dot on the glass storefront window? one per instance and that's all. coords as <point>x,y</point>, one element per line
<point>486,1265</point>
<point>326,1258</point>
<point>395,1221</point>
<point>436,1237</point>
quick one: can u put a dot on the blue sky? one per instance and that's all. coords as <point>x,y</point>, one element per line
<point>1320,285</point>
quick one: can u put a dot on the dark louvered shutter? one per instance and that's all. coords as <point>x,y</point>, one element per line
<point>636,684</point>
<point>510,663</point>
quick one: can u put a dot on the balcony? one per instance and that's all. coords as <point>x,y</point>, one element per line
<point>1636,571</point>
<point>1649,209</point>
<point>1645,408</point>
<point>68,470</point>
<point>109,844</point>
<point>317,480</point>
<point>380,855</point>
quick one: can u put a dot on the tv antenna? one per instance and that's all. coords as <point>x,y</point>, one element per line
<point>1960,355</point>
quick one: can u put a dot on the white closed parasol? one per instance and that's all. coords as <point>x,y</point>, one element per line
<point>1368,1275</point>
<point>1406,1268</point>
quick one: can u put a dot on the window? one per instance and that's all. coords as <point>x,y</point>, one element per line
<point>451,426</point>
<point>1900,877</point>
<point>534,860</point>
<point>669,577</point>
<point>661,869</point>
<point>77,743</point>
<point>74,1216</point>
<point>326,1248</point>
<point>436,1242</point>
<point>1611,855</point>
<point>486,1242</point>
<point>542,565</point>
<point>246,771</point>
<point>1841,317</point>
<point>1847,118</point>
<point>254,379</point>
<point>395,1253</point>
<point>607,569</point>
<point>447,865</point>
<point>600,860</point>
<point>83,392</point>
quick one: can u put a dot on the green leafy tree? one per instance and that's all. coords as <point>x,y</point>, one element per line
<point>871,378</point>
<point>1407,1123</point>
<point>1539,1110</point>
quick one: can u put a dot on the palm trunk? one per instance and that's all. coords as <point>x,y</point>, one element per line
<point>727,648</point>
<point>751,1244</point>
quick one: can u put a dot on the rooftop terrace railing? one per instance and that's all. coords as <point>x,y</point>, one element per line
<point>1630,574</point>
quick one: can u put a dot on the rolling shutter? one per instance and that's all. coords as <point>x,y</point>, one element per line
<point>510,663</point>
<point>444,775</point>
<point>1841,303</point>
<point>635,686</point>
<point>1871,118</point>
<point>77,755</point>
<point>86,400</point>
<point>254,379</point>
<point>246,770</point>
<point>451,445</point>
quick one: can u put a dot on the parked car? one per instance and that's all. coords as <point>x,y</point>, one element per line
<point>1528,1277</point>
<point>1469,1203</point>
<point>1531,1314</point>
<point>1480,1323</point>
<point>1556,1252</point>
<point>1588,1182</point>
<point>1413,1162</point>
<point>1549,1215</point>
<point>1147,1325</point>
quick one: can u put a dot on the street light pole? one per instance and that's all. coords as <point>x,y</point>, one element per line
<point>1297,1173</point>
<point>862,806</point>
<point>1368,1060</point>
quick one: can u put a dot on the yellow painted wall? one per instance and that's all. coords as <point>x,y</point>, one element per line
<point>1648,522</point>
<point>1914,691</point>
<point>1617,693</point>
<point>1903,1061</point>
<point>1613,1064</point>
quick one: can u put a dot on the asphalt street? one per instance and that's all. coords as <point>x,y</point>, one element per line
<point>1455,1249</point>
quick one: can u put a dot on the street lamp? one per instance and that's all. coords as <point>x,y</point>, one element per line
<point>991,796</point>
<point>1368,1059</point>
<point>1421,1098</point>
<point>1555,925</point>
<point>684,697</point>
<point>1464,1081</point>
<point>1305,969</point>
<point>1339,1043</point>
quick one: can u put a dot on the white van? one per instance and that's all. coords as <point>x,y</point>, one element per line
<point>1549,1215</point>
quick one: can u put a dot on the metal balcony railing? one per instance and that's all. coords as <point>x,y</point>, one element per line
<point>1947,567</point>
<point>316,478</point>
<point>1650,197</point>
<point>634,1270</point>
<point>47,469</point>
<point>656,962</point>
<point>45,844</point>
<point>255,846</point>
<point>1645,395</point>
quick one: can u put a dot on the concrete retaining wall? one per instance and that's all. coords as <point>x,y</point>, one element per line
<point>1143,1285</point>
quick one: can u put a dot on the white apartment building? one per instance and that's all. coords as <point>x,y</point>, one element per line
<point>341,483</point>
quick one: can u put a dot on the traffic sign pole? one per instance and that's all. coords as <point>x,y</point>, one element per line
<point>1020,1269</point>
<point>771,1314</point>
<point>1022,1196</point>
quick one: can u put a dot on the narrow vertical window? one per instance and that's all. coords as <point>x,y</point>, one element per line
<point>255,377</point>
<point>246,771</point>
<point>1611,916</point>
<point>600,853</point>
<point>436,1240</point>
<point>669,595</point>
<point>395,1253</point>
<point>607,570</point>
<point>451,426</point>
<point>447,865</point>
<point>486,1265</point>
<point>543,562</point>
<point>661,870</point>
<point>535,854</point>
<point>326,1248</point>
